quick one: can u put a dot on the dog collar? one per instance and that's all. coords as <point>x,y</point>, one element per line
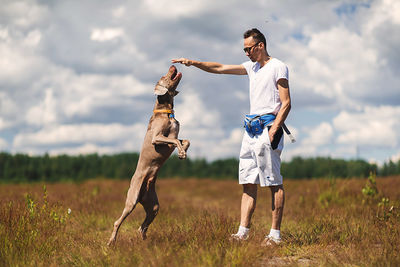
<point>168,111</point>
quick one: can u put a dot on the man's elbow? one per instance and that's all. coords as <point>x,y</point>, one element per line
<point>219,70</point>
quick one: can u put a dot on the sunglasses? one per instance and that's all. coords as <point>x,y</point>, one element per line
<point>248,49</point>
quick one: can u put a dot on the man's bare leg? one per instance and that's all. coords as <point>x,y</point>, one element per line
<point>278,201</point>
<point>249,199</point>
<point>247,208</point>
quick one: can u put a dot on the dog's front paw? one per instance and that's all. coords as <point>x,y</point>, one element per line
<point>182,155</point>
<point>185,144</point>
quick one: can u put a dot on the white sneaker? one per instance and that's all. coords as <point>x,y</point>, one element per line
<point>270,241</point>
<point>238,237</point>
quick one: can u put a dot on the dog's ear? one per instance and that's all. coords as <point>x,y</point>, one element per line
<point>160,90</point>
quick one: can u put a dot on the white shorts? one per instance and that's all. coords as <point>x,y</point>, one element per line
<point>259,163</point>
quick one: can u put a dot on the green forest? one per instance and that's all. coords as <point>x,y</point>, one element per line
<point>25,168</point>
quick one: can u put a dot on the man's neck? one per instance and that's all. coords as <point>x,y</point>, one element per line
<point>264,59</point>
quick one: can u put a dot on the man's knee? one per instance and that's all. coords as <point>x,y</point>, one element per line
<point>278,197</point>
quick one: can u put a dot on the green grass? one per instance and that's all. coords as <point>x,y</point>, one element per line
<point>326,223</point>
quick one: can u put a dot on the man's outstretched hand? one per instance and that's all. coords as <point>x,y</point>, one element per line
<point>182,60</point>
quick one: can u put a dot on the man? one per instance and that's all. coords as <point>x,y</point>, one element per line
<point>260,153</point>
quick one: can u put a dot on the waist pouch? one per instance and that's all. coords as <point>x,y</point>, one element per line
<point>255,124</point>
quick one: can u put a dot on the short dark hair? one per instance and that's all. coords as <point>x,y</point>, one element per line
<point>257,36</point>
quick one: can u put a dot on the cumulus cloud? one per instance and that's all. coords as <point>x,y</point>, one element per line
<point>373,126</point>
<point>81,135</point>
<point>229,145</point>
<point>199,124</point>
<point>89,148</point>
<point>45,112</point>
<point>177,8</point>
<point>107,34</point>
<point>23,14</point>
<point>320,135</point>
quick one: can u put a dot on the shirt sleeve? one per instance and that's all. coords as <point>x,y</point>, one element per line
<point>282,72</point>
<point>247,65</point>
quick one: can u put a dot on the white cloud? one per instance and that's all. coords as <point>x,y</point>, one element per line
<point>349,59</point>
<point>382,12</point>
<point>19,62</point>
<point>176,8</point>
<point>324,65</point>
<point>198,124</point>
<point>4,35</point>
<point>45,112</point>
<point>78,134</point>
<point>299,150</point>
<point>193,113</point>
<point>3,124</point>
<point>23,14</point>
<point>33,38</point>
<point>8,111</point>
<point>119,12</point>
<point>82,94</point>
<point>89,148</point>
<point>227,147</point>
<point>375,126</point>
<point>310,141</point>
<point>107,34</point>
<point>319,135</point>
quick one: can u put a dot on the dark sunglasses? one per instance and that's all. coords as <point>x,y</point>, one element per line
<point>248,49</point>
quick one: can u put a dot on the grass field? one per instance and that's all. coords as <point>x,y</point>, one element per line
<point>326,223</point>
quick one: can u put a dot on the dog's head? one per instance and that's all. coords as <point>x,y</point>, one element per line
<point>168,82</point>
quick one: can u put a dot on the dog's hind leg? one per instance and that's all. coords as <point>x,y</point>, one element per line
<point>151,206</point>
<point>130,204</point>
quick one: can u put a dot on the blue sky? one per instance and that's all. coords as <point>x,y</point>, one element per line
<point>78,76</point>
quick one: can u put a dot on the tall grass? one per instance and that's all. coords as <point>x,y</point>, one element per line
<point>326,223</point>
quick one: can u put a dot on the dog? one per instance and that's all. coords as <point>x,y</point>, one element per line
<point>159,142</point>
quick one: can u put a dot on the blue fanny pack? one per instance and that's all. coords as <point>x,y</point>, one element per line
<point>255,124</point>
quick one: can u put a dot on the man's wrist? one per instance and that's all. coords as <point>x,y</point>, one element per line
<point>272,130</point>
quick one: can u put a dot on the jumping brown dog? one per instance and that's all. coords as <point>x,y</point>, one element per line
<point>159,142</point>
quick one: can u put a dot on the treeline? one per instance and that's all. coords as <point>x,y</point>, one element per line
<point>299,168</point>
<point>21,167</point>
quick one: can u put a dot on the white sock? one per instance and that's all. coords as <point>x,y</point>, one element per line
<point>275,233</point>
<point>243,231</point>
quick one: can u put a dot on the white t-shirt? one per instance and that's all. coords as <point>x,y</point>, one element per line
<point>264,94</point>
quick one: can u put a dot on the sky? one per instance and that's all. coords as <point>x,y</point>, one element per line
<point>77,77</point>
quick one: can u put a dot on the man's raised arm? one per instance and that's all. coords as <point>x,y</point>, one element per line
<point>213,67</point>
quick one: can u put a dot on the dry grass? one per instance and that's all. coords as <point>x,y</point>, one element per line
<point>326,223</point>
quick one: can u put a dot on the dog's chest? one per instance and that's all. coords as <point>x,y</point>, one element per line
<point>173,125</point>
<point>171,128</point>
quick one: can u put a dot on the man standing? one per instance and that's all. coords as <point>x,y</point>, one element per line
<point>260,152</point>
